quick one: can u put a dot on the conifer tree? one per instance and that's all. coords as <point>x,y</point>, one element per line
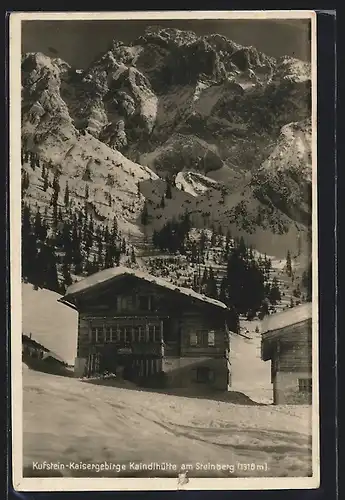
<point>67,278</point>
<point>194,252</point>
<point>55,221</point>
<point>133,258</point>
<point>123,246</point>
<point>115,228</point>
<point>43,173</point>
<point>26,220</point>
<point>25,181</point>
<point>162,203</point>
<point>46,269</point>
<point>274,293</point>
<point>211,286</point>
<point>87,173</point>
<point>307,282</point>
<point>288,264</point>
<point>117,256</point>
<point>56,184</point>
<point>196,283</point>
<point>108,258</point>
<point>144,215</point>
<point>88,268</point>
<point>78,261</point>
<point>66,196</point>
<point>245,283</point>
<point>94,267</point>
<point>264,310</point>
<point>168,191</point>
<point>66,239</point>
<point>32,161</point>
<point>46,182</point>
<point>204,277</point>
<point>39,227</point>
<point>223,295</point>
<point>100,262</point>
<point>242,249</point>
<point>29,246</point>
<point>202,242</point>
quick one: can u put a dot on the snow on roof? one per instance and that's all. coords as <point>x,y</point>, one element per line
<point>116,272</point>
<point>51,354</point>
<point>26,339</point>
<point>33,343</point>
<point>286,318</point>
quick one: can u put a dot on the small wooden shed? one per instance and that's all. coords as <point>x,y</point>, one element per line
<point>287,343</point>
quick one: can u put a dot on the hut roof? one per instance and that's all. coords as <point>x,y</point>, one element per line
<point>114,273</point>
<point>286,318</point>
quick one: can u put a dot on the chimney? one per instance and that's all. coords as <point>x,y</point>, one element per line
<point>30,335</point>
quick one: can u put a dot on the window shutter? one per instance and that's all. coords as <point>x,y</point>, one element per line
<point>211,338</point>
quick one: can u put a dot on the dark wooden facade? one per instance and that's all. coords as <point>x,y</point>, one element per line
<point>289,349</point>
<point>148,332</point>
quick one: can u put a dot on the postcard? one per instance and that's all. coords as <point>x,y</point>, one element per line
<point>164,303</point>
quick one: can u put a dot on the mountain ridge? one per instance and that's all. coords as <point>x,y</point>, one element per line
<point>173,104</point>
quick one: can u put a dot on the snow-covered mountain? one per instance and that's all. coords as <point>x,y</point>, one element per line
<point>229,125</point>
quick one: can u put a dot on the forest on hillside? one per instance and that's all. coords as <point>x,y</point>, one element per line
<point>62,242</point>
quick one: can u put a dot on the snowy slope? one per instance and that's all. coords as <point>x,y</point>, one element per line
<point>49,130</point>
<point>123,425</point>
<point>111,176</point>
<point>50,323</point>
<point>194,183</point>
<point>250,374</point>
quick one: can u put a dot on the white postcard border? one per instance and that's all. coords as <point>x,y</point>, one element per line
<point>21,483</point>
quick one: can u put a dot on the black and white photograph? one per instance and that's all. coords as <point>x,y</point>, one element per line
<point>164,322</point>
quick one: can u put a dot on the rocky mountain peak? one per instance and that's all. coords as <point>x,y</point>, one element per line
<point>166,37</point>
<point>204,110</point>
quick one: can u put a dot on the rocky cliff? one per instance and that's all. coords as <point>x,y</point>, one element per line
<point>173,104</point>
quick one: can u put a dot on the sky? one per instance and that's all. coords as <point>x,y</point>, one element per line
<point>80,42</point>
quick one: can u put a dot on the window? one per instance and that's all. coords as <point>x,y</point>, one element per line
<point>100,334</point>
<point>151,333</point>
<point>108,334</point>
<point>198,339</point>
<point>142,334</point>
<point>211,338</point>
<point>116,334</point>
<point>193,339</point>
<point>305,385</point>
<point>122,334</point>
<point>136,333</point>
<point>124,303</point>
<point>204,375</point>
